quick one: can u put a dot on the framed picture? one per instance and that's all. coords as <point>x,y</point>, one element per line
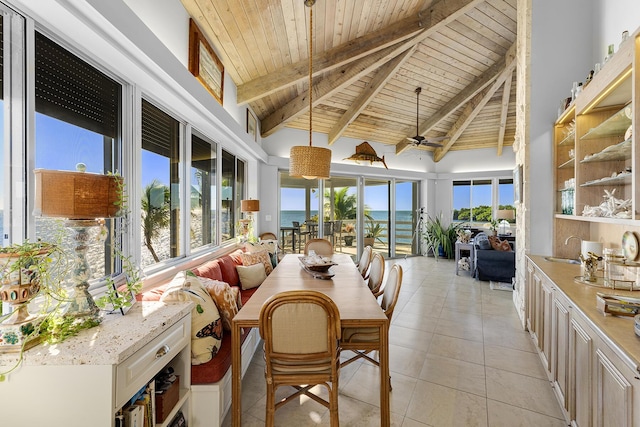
<point>517,184</point>
<point>204,64</point>
<point>252,125</point>
<point>118,283</point>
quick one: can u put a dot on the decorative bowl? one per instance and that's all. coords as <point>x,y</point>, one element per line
<point>318,264</point>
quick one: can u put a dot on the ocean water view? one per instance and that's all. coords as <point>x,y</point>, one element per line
<point>404,226</point>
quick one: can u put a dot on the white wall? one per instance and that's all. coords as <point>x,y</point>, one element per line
<point>560,55</point>
<point>169,21</point>
<point>610,19</point>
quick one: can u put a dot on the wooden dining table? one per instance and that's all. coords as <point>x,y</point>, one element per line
<point>357,305</point>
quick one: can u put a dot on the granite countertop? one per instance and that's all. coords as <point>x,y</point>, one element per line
<point>110,343</point>
<point>618,330</point>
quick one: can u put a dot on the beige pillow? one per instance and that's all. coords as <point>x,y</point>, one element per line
<point>251,276</point>
<point>227,299</point>
<point>206,323</point>
<point>258,257</point>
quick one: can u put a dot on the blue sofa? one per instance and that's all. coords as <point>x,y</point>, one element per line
<point>491,264</point>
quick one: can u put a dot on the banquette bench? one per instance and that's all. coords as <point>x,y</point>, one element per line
<point>211,381</point>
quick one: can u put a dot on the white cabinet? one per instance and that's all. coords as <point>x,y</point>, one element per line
<point>580,372</point>
<point>86,379</point>
<point>560,348</point>
<point>595,383</point>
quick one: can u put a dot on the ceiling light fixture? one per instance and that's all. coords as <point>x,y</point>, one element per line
<point>310,162</point>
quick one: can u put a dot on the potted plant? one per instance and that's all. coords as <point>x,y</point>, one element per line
<point>348,238</point>
<point>440,238</point>
<point>373,232</point>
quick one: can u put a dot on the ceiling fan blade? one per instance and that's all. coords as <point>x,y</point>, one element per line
<point>431,144</point>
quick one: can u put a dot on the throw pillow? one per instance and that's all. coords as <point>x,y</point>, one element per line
<point>206,324</point>
<point>505,246</point>
<point>495,242</point>
<point>227,299</point>
<point>482,241</point>
<point>500,245</point>
<point>257,258</point>
<point>251,276</point>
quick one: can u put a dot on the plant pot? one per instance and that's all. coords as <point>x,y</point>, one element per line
<point>368,241</point>
<point>348,240</point>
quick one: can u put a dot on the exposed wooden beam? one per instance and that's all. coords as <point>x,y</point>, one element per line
<point>506,95</point>
<point>335,80</point>
<point>471,110</point>
<point>329,60</point>
<point>462,98</point>
<point>438,15</point>
<point>383,75</point>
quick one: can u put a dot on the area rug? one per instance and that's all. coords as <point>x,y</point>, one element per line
<point>500,286</point>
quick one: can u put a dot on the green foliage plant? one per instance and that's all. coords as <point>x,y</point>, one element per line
<point>374,230</point>
<point>436,234</point>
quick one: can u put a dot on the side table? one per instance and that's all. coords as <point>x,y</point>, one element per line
<point>460,246</point>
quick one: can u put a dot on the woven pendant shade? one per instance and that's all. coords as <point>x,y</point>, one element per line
<point>310,162</point>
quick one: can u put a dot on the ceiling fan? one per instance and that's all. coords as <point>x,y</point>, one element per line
<point>419,139</point>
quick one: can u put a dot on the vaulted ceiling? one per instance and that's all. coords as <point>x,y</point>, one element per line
<point>369,56</point>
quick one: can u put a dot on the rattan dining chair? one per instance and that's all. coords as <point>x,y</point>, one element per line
<point>376,274</point>
<point>301,333</point>
<point>320,246</point>
<point>365,260</point>
<point>362,341</point>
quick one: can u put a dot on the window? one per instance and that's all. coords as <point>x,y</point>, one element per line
<point>233,190</point>
<point>473,199</point>
<point>203,192</point>
<point>160,204</point>
<point>77,120</point>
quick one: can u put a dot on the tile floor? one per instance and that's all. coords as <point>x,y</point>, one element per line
<point>458,357</point>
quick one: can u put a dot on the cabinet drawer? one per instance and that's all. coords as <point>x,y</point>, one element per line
<point>141,367</point>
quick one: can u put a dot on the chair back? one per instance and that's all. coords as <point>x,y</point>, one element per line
<point>391,290</point>
<point>320,246</point>
<point>268,236</point>
<point>295,224</point>
<point>376,273</point>
<point>327,228</point>
<point>365,260</point>
<point>301,330</point>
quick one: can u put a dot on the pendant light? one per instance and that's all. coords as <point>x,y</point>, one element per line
<point>310,162</point>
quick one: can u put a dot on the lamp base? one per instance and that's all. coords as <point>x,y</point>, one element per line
<point>82,304</point>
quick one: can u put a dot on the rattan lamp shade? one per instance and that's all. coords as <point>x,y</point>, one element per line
<point>310,162</point>
<point>507,214</point>
<point>250,205</point>
<point>75,195</point>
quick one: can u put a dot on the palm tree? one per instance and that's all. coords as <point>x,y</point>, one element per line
<point>156,214</point>
<point>344,205</point>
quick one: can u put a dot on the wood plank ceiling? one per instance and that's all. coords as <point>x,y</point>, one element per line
<point>369,56</point>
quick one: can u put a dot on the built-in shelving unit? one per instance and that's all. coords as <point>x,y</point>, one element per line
<point>594,151</point>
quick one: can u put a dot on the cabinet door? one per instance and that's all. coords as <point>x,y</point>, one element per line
<point>580,392</point>
<point>545,310</point>
<point>531,300</point>
<point>614,394</point>
<point>560,348</point>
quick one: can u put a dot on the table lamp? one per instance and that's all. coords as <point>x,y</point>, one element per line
<point>249,207</point>
<point>83,199</point>
<point>504,215</point>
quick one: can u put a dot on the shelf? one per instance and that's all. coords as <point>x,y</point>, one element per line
<point>622,179</point>
<point>621,151</point>
<point>569,140</point>
<point>569,164</point>
<point>614,125</point>
<point>600,219</point>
